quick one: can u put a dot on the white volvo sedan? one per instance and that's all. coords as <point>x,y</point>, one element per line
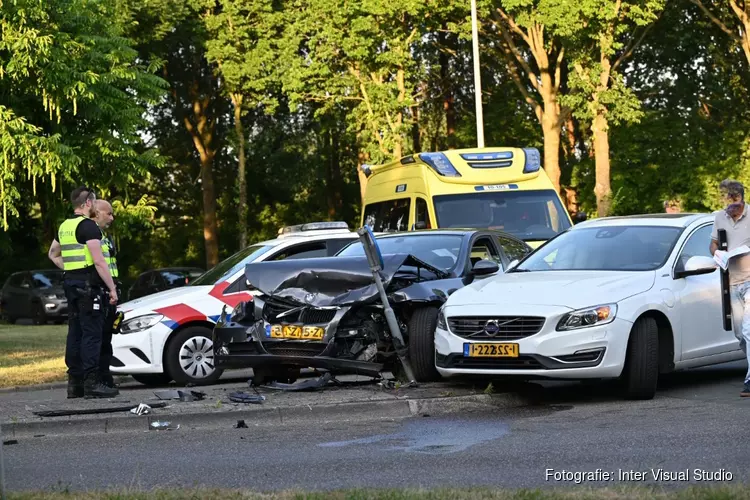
<point>628,297</point>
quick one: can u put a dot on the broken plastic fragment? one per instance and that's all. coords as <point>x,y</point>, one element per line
<point>160,426</point>
<point>305,385</point>
<point>141,409</point>
<point>244,397</point>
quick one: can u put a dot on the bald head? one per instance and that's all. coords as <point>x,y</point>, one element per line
<point>104,215</point>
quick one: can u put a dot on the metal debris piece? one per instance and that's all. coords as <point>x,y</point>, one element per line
<point>241,425</point>
<point>163,426</point>
<point>183,396</point>
<point>141,409</point>
<point>167,394</point>
<point>304,385</point>
<point>10,441</point>
<point>244,397</point>
<point>90,411</point>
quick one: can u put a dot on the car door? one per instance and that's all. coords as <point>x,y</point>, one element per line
<point>698,303</point>
<point>13,296</point>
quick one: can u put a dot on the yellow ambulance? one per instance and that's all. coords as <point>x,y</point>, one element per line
<point>493,188</point>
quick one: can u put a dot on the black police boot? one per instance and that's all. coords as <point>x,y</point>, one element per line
<point>75,387</point>
<point>93,388</point>
<point>108,380</point>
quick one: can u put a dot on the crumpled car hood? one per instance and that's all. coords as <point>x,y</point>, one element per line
<point>327,281</point>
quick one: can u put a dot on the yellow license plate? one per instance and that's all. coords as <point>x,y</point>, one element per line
<point>491,350</point>
<point>297,332</point>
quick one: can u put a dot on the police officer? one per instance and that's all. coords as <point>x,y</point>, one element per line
<point>77,250</point>
<point>104,218</point>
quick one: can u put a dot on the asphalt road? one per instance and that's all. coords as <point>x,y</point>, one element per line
<point>697,421</point>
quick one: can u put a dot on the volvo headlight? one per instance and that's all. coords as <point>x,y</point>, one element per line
<point>441,323</point>
<point>592,316</point>
<point>140,323</point>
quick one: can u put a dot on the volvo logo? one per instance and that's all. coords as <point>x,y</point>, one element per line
<point>491,328</point>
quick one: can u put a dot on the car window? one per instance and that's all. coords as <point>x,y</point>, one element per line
<point>611,248</point>
<point>527,215</point>
<point>514,249</point>
<point>302,251</point>
<point>16,279</point>
<point>155,280</point>
<point>423,214</point>
<point>226,268</point>
<point>47,279</point>
<point>483,249</point>
<point>335,245</point>
<point>696,245</point>
<point>178,277</point>
<point>391,215</point>
<point>142,280</point>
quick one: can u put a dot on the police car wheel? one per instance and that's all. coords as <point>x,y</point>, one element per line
<point>190,357</point>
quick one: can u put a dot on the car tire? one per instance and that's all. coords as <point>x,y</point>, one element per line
<point>641,372</point>
<point>39,316</point>
<point>152,379</point>
<point>189,357</point>
<point>422,327</point>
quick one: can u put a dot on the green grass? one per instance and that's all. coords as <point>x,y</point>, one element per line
<point>718,492</point>
<point>32,354</point>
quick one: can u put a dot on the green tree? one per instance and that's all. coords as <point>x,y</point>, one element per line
<point>603,38</point>
<point>242,45</point>
<point>72,98</point>
<point>733,17</point>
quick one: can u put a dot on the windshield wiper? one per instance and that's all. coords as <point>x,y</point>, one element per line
<point>516,270</point>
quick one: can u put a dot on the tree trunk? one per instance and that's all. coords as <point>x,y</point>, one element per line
<point>398,143</point>
<point>202,132</point>
<point>242,205</point>
<point>333,175</point>
<point>551,132</point>
<point>603,190</point>
<point>416,137</point>
<point>210,230</point>
<point>361,159</point>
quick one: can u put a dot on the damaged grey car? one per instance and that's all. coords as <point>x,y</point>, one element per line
<point>327,313</point>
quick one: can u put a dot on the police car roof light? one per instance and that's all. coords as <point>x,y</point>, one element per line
<point>533,160</point>
<point>440,164</point>
<point>314,226</point>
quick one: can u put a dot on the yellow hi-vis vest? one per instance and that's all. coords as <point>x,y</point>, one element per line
<point>74,255</point>
<point>110,259</point>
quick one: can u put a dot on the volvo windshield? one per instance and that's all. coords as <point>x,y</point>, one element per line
<point>528,215</point>
<point>612,248</point>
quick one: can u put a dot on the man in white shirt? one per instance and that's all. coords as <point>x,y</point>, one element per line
<point>735,220</point>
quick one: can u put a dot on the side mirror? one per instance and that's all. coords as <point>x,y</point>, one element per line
<point>579,217</point>
<point>481,268</point>
<point>697,265</point>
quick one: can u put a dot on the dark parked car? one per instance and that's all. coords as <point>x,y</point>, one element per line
<point>36,294</point>
<point>327,313</point>
<point>157,280</point>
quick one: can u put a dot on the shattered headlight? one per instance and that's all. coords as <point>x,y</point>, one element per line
<point>242,312</point>
<point>140,323</point>
<point>584,318</point>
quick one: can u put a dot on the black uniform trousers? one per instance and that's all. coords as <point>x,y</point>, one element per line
<point>85,322</point>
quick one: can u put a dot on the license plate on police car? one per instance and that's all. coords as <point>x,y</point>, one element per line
<point>297,332</point>
<point>491,350</point>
